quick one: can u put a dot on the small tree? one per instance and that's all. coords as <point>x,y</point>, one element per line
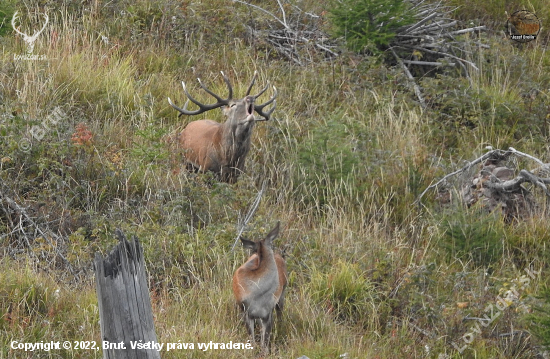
<point>369,25</point>
<point>540,318</point>
<point>7,9</point>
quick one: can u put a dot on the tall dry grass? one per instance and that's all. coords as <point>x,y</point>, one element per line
<point>344,158</point>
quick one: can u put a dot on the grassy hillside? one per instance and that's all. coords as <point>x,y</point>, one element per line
<point>347,153</point>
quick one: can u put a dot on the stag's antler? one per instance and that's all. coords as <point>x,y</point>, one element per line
<point>202,107</point>
<point>259,108</point>
<point>29,39</point>
<point>223,102</point>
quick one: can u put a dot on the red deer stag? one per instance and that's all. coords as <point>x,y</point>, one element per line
<point>222,147</point>
<point>259,286</point>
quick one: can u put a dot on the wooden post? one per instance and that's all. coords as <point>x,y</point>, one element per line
<point>125,311</point>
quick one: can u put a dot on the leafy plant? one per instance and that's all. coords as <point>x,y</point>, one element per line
<point>150,148</point>
<point>369,25</point>
<point>473,235</point>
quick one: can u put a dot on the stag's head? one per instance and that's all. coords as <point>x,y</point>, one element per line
<point>240,114</point>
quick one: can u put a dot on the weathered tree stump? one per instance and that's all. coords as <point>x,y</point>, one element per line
<point>125,311</point>
<point>495,187</point>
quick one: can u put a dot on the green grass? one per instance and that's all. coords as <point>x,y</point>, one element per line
<point>348,151</point>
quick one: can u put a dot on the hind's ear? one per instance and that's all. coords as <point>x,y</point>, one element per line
<point>274,233</point>
<point>248,244</point>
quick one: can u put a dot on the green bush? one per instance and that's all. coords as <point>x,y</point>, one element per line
<point>540,318</point>
<point>329,161</point>
<point>369,25</point>
<point>346,292</point>
<point>473,236</point>
<point>7,9</point>
<point>150,147</point>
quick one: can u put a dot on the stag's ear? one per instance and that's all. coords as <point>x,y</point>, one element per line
<point>273,234</point>
<point>248,244</point>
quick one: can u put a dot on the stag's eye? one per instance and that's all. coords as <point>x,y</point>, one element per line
<point>233,105</point>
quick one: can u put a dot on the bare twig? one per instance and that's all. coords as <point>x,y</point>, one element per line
<point>464,31</point>
<point>433,34</point>
<point>443,54</point>
<point>440,25</point>
<point>283,13</point>
<point>286,40</point>
<point>265,11</point>
<point>418,24</point>
<point>327,50</point>
<point>23,216</point>
<point>428,63</point>
<point>513,150</point>
<point>524,176</point>
<point>249,215</point>
<point>416,88</point>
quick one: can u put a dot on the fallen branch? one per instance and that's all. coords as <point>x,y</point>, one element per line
<point>282,22</point>
<point>524,176</point>
<point>420,23</point>
<point>441,54</point>
<point>289,40</point>
<point>428,63</point>
<point>513,150</point>
<point>433,36</point>
<point>415,86</point>
<point>464,31</point>
<point>24,217</point>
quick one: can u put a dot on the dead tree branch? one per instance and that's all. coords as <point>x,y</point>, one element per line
<point>415,86</point>
<point>26,223</point>
<point>431,38</point>
<point>495,183</point>
<point>463,169</point>
<point>292,37</point>
<point>514,151</point>
<point>282,22</point>
<point>524,176</point>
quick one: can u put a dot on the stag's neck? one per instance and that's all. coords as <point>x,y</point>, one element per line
<point>236,140</point>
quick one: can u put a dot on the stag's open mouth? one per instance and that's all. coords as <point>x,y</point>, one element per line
<point>250,112</point>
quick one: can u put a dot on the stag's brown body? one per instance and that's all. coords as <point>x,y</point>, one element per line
<point>222,147</point>
<point>259,286</point>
